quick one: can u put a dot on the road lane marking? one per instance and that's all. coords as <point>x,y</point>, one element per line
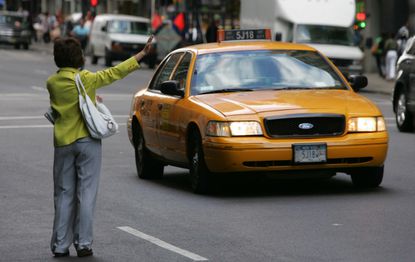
<point>25,126</point>
<point>41,117</point>
<point>39,88</point>
<point>162,243</point>
<point>35,126</point>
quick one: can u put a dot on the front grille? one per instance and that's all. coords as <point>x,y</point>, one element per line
<point>341,62</point>
<point>300,125</point>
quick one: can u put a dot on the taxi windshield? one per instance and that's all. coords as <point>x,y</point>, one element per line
<point>263,69</point>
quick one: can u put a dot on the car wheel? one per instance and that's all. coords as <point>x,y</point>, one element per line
<point>94,60</point>
<point>368,177</point>
<point>199,175</point>
<point>16,46</point>
<point>147,166</point>
<point>404,118</point>
<point>108,59</point>
<point>26,46</point>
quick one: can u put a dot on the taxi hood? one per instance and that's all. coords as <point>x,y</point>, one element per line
<point>289,102</point>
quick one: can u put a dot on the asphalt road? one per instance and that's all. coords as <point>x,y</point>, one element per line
<point>245,218</point>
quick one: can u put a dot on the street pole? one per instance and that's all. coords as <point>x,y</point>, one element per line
<point>152,10</point>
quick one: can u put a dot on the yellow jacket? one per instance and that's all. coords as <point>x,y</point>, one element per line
<point>69,124</point>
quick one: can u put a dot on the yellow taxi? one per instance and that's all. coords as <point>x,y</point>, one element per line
<point>255,106</point>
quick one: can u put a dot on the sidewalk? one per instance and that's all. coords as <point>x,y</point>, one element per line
<point>377,84</point>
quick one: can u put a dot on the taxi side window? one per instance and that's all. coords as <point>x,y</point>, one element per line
<point>165,72</point>
<point>181,71</point>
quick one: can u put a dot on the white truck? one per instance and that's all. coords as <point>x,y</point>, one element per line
<point>323,24</point>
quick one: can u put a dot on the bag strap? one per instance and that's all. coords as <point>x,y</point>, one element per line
<point>79,85</point>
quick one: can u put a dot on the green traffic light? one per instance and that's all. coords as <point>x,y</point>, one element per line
<point>362,24</point>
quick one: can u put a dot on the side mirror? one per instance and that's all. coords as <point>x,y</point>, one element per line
<point>357,82</point>
<point>104,28</point>
<point>171,87</point>
<point>278,36</point>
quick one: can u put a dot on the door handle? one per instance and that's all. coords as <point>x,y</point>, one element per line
<point>160,106</point>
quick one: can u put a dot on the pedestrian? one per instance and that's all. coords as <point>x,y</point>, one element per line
<point>401,38</point>
<point>77,156</point>
<point>211,31</point>
<point>378,53</point>
<point>81,33</point>
<point>391,52</point>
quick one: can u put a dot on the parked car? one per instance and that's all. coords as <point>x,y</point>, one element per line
<point>404,90</point>
<point>15,29</point>
<point>255,106</point>
<point>117,37</point>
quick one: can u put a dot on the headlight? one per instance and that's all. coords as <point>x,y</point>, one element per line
<point>366,124</point>
<point>245,128</point>
<point>115,46</point>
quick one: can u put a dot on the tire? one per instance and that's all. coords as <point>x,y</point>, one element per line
<point>108,59</point>
<point>16,46</point>
<point>199,174</point>
<point>370,177</point>
<point>94,60</point>
<point>147,166</point>
<point>25,46</point>
<point>404,118</point>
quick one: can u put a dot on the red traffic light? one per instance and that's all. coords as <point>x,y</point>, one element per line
<point>361,16</point>
<point>94,3</point>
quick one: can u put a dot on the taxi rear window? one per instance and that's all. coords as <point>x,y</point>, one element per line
<point>263,69</point>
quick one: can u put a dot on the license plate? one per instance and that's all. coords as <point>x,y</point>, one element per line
<point>231,35</point>
<point>310,153</point>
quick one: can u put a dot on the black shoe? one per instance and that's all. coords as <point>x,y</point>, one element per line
<point>57,254</point>
<point>84,252</point>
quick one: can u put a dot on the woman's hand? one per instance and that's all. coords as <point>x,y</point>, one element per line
<point>145,50</point>
<point>99,99</point>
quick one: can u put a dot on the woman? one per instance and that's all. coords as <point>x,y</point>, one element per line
<point>77,157</point>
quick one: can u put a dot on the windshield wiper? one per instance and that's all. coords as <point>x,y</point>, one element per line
<point>227,90</point>
<point>302,88</point>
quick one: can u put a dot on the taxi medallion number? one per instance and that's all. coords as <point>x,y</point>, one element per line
<point>245,35</point>
<point>310,153</point>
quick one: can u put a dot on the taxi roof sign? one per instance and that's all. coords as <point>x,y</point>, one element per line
<point>243,34</point>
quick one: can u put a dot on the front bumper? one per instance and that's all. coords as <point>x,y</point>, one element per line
<point>263,154</point>
<point>6,39</point>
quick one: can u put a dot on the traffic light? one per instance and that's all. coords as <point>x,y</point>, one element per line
<point>361,16</point>
<point>94,3</point>
<point>360,20</point>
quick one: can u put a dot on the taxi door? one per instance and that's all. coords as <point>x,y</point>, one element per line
<point>149,103</point>
<point>170,130</point>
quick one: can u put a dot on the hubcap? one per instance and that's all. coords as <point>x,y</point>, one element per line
<point>401,110</point>
<point>195,160</point>
<point>139,152</point>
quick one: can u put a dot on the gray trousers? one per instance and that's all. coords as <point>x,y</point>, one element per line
<point>76,171</point>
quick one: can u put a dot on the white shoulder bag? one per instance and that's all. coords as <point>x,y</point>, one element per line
<point>98,120</point>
